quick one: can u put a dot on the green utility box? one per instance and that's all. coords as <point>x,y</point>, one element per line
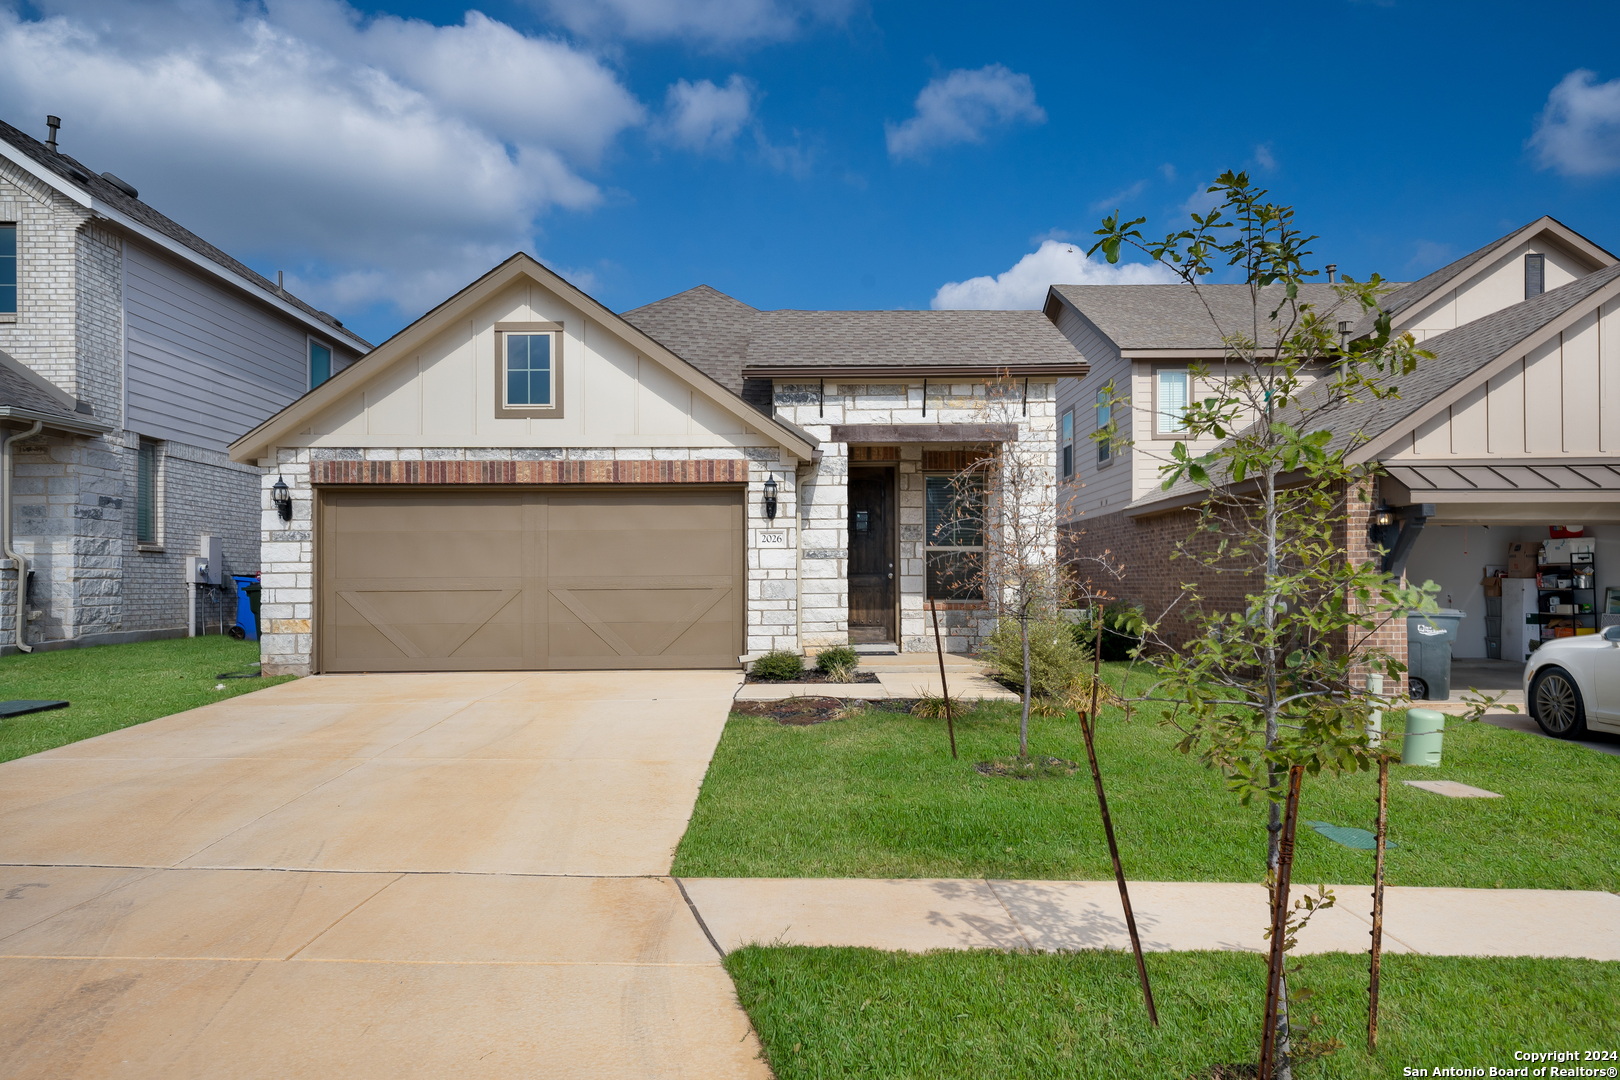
<point>1424,730</point>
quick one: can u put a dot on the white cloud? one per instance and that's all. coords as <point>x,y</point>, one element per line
<point>1578,133</point>
<point>1201,201</point>
<point>1264,158</point>
<point>1119,198</point>
<point>380,159</point>
<point>706,118</point>
<point>962,106</point>
<point>709,22</point>
<point>1053,263</point>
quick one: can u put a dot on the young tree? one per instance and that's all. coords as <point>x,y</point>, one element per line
<point>1275,689</point>
<point>1002,509</point>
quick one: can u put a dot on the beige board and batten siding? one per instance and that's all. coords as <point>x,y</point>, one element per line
<point>1497,285</point>
<point>444,393</point>
<point>204,363</point>
<point>1562,397</point>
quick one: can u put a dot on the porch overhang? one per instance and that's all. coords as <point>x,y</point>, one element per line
<point>1571,481</point>
<point>924,433</point>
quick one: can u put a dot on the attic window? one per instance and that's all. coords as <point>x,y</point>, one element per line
<point>528,370</point>
<point>8,269</point>
<point>1535,275</point>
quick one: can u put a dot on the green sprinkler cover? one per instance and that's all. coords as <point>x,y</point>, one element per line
<point>1360,839</point>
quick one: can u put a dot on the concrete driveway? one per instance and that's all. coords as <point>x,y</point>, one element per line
<point>353,876</point>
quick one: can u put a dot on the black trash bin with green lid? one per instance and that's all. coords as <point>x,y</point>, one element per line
<point>1429,637</point>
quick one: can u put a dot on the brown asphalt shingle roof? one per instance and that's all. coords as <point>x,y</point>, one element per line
<point>22,389</point>
<point>723,336</point>
<point>1176,317</point>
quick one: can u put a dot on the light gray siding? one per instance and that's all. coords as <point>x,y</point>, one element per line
<point>203,364</point>
<point>1095,489</point>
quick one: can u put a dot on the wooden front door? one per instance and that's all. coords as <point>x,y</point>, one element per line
<point>871,556</point>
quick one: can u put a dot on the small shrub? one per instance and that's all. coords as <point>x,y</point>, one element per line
<point>779,665</point>
<point>1059,664</point>
<point>838,663</point>
<point>932,707</point>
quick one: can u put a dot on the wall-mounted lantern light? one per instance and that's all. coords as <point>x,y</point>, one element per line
<point>770,498</point>
<point>282,498</point>
<point>1383,517</point>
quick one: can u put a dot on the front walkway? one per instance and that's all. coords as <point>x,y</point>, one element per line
<point>358,876</point>
<point>915,915</point>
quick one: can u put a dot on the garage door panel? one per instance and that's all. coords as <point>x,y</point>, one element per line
<point>406,625</point>
<point>566,580</point>
<point>631,622</point>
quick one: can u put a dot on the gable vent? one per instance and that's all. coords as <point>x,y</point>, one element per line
<point>1535,275</point>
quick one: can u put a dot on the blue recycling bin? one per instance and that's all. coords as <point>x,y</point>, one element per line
<point>247,608</point>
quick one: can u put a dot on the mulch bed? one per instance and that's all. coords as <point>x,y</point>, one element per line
<point>811,675</point>
<point>801,711</point>
<point>1035,768</point>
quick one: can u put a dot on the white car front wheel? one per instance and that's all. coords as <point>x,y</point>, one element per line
<point>1556,705</point>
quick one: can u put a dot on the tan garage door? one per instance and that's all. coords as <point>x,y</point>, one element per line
<point>428,579</point>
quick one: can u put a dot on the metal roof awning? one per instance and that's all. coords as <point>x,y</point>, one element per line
<point>1571,480</point>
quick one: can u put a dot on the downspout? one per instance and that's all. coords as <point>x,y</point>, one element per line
<point>5,532</point>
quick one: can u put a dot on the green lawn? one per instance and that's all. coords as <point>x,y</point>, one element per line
<point>114,686</point>
<point>877,795</point>
<point>825,1013</point>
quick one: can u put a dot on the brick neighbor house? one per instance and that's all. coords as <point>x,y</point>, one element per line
<point>526,479</point>
<point>132,352</point>
<point>1513,428</point>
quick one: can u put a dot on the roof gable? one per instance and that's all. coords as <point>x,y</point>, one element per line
<point>455,312</point>
<point>1471,354</point>
<point>1413,297</point>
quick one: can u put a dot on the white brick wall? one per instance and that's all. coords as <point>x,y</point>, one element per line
<point>824,565</point>
<point>287,549</point>
<point>797,596</point>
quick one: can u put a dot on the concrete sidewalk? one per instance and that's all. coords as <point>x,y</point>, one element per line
<point>915,915</point>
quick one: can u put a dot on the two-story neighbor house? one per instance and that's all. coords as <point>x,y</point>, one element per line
<point>525,479</point>
<point>131,353</point>
<point>1512,429</point>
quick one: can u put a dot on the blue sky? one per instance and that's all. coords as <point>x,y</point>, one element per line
<point>813,153</point>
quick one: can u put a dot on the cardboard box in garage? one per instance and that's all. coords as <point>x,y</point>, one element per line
<point>1523,558</point>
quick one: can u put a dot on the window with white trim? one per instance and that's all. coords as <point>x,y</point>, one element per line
<point>1171,396</point>
<point>954,543</point>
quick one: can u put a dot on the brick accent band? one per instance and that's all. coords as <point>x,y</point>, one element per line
<point>704,471</point>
